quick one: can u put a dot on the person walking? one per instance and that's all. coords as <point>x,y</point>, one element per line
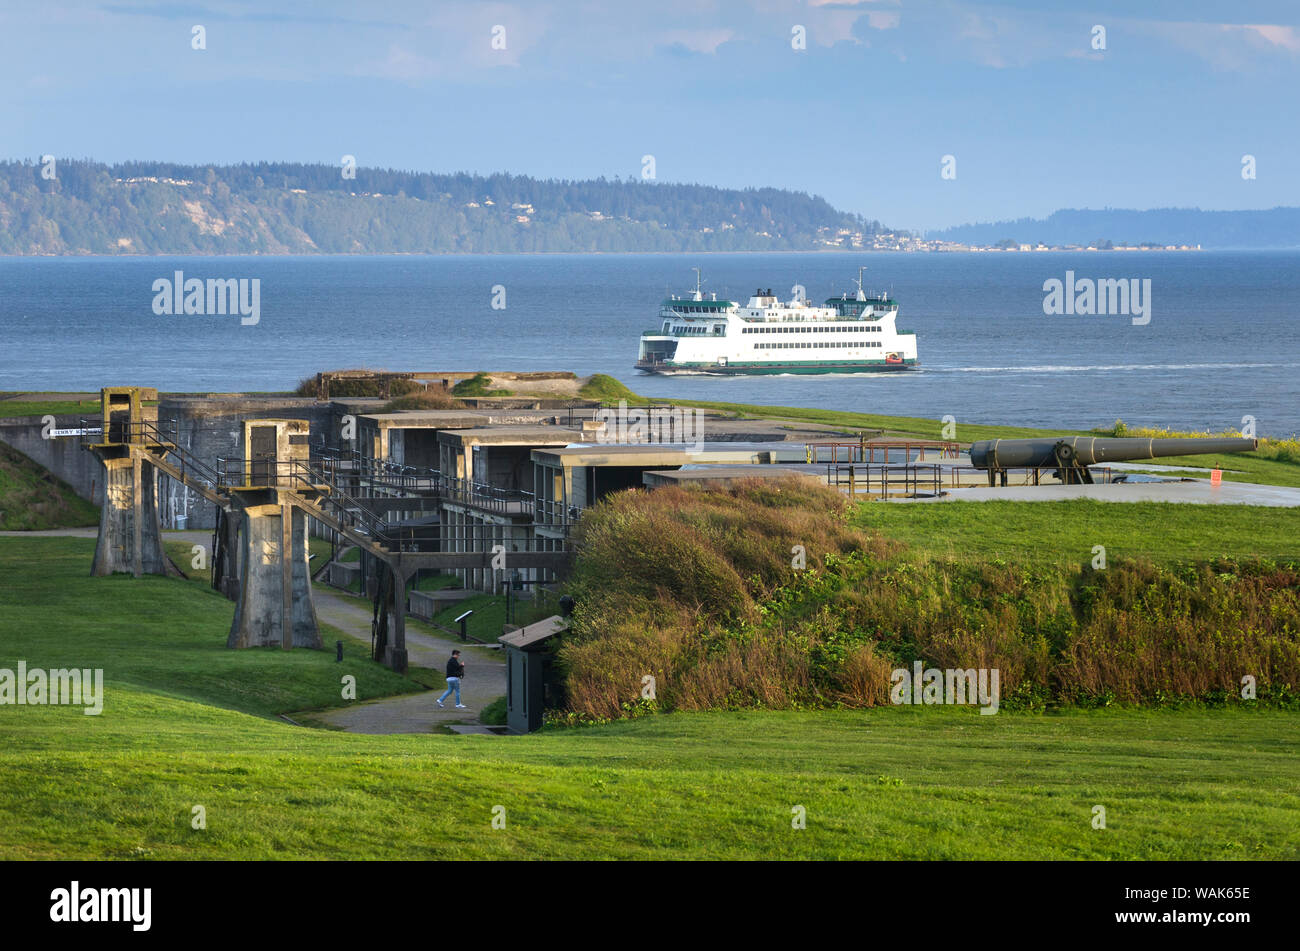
<point>455,671</point>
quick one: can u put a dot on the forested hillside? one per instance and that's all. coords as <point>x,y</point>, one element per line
<point>83,207</point>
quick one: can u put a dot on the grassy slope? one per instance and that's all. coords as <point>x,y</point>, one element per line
<point>489,615</point>
<point>160,634</point>
<point>1067,530</point>
<point>32,499</point>
<point>888,783</point>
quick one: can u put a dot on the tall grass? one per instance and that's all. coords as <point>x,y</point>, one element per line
<point>1281,450</point>
<point>430,397</point>
<point>699,589</point>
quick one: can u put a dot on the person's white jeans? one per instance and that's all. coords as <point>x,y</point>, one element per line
<point>453,683</point>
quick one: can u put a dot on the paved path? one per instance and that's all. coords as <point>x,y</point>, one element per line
<point>485,676</point>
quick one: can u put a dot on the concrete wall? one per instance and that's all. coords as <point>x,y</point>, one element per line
<point>425,604</point>
<point>212,428</point>
<point>207,428</point>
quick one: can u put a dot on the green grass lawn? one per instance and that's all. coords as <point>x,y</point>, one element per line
<point>14,408</point>
<point>490,614</point>
<point>880,784</point>
<point>435,583</point>
<point>1068,530</point>
<point>187,722</point>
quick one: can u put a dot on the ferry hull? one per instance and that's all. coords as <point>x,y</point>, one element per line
<point>771,369</point>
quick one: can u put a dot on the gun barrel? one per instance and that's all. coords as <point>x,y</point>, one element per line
<point>1091,450</point>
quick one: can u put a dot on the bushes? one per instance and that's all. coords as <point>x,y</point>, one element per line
<point>480,384</point>
<point>1148,633</point>
<point>372,386</point>
<point>696,589</point>
<point>431,397</point>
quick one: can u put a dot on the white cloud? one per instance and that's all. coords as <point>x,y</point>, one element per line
<point>1226,46</point>
<point>1283,36</point>
<point>698,41</point>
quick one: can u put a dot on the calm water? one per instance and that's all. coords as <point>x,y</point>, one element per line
<point>1221,344</point>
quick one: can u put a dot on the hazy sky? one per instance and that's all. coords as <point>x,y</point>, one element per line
<point>1035,117</point>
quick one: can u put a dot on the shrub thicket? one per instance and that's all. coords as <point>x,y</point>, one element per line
<point>697,589</point>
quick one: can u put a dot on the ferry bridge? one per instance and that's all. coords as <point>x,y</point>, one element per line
<point>264,499</point>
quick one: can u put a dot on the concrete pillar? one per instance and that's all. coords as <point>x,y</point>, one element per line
<point>130,537</point>
<point>395,649</point>
<point>226,541</point>
<point>274,577</point>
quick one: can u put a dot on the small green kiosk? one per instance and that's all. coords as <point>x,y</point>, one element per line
<point>529,677</point>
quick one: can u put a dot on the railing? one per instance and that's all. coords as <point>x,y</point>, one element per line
<point>1032,475</point>
<point>886,480</point>
<point>864,450</point>
<point>358,484</point>
<point>149,433</point>
<point>489,497</point>
<point>352,463</point>
<point>346,510</point>
<point>125,431</point>
<point>552,513</point>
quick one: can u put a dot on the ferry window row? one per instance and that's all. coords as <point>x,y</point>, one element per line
<point>715,329</point>
<point>864,328</point>
<point>817,345</point>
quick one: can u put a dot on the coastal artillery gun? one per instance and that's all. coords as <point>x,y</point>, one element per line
<point>1070,456</point>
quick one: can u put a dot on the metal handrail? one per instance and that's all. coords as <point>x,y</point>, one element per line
<point>143,430</point>
<point>555,513</point>
<point>1036,473</point>
<point>899,479</point>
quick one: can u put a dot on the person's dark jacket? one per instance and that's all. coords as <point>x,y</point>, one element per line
<point>455,668</point>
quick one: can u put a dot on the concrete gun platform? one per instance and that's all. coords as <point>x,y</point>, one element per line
<point>1193,491</point>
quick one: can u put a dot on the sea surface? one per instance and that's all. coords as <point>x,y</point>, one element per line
<point>1223,341</point>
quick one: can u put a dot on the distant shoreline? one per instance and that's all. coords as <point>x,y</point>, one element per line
<point>493,254</point>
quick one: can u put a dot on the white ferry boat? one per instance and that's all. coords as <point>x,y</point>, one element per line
<point>849,334</point>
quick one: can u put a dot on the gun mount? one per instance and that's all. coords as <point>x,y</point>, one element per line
<point>1070,456</point>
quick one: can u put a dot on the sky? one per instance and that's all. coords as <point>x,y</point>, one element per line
<point>867,104</point>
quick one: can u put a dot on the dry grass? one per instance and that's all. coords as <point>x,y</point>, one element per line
<point>431,397</point>
<point>696,588</point>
